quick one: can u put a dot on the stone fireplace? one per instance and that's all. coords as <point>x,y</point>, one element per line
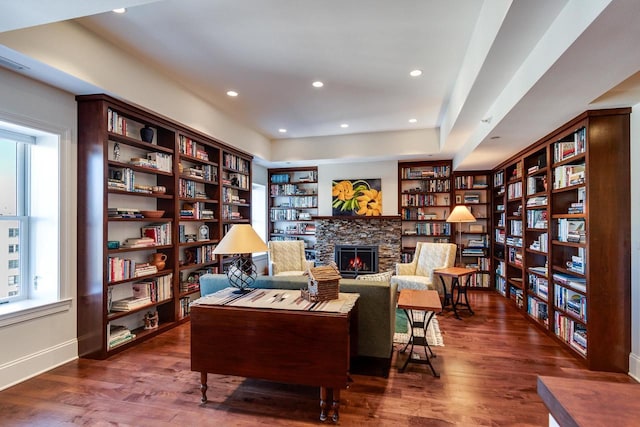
<point>383,232</point>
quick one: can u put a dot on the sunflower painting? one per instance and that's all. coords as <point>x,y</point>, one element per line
<point>357,197</point>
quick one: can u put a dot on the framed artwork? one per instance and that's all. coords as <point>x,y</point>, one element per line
<point>356,197</point>
<point>458,199</point>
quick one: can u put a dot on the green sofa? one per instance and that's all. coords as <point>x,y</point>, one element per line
<point>376,314</point>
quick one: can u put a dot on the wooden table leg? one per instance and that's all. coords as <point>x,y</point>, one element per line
<point>323,403</point>
<point>203,387</point>
<point>335,406</point>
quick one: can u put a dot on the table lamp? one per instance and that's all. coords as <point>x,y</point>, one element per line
<point>241,240</point>
<point>460,214</point>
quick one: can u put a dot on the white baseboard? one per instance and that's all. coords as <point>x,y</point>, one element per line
<point>29,366</point>
<point>634,366</point>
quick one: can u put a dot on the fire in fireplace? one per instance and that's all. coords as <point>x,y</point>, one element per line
<point>356,259</point>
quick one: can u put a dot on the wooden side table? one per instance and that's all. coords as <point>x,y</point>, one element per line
<point>427,302</point>
<point>458,282</point>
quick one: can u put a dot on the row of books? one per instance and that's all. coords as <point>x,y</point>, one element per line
<point>196,210</point>
<point>191,148</point>
<point>277,190</point>
<point>541,243</point>
<point>230,195</point>
<point>464,182</point>
<point>538,310</point>
<point>300,228</point>
<point>571,302</point>
<point>539,286</point>
<point>237,180</point>
<point>232,161</point>
<point>483,264</point>
<point>191,189</point>
<point>515,256</point>
<point>418,214</point>
<point>158,289</point>
<point>515,227</point>
<point>572,230</point>
<point>159,232</point>
<point>430,186</point>
<point>123,268</point>
<point>536,184</point>
<point>566,149</point>
<point>420,200</point>
<point>199,255</point>
<point>429,229</point>
<point>310,202</point>
<point>514,241</point>
<point>426,172</point>
<point>573,333</point>
<point>229,213</point>
<point>514,190</point>
<point>537,218</point>
<point>567,175</point>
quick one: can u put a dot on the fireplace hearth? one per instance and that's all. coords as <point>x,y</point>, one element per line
<point>353,260</point>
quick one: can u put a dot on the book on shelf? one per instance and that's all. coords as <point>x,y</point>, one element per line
<point>138,242</point>
<point>130,303</point>
<point>118,335</point>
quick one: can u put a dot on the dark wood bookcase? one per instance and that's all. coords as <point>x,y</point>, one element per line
<point>561,236</point>
<point>179,171</point>
<point>293,202</point>
<point>471,188</point>
<point>425,193</point>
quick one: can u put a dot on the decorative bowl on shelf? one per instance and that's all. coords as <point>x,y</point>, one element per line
<point>152,214</point>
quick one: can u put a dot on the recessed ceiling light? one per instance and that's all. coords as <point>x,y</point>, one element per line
<point>344,125</point>
<point>282,130</point>
<point>232,93</point>
<point>119,10</point>
<point>495,137</point>
<point>413,120</point>
<point>415,73</point>
<point>317,84</point>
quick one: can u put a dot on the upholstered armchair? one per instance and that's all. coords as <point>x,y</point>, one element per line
<point>286,258</point>
<point>418,274</point>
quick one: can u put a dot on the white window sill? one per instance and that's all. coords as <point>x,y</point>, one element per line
<point>21,311</point>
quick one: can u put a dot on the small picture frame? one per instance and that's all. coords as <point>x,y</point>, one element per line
<point>476,228</point>
<point>458,199</point>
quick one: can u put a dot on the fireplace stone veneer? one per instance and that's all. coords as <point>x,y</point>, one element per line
<point>383,231</point>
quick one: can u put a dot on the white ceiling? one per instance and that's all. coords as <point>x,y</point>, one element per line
<point>490,67</point>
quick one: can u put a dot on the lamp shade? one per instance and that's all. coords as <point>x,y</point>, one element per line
<point>240,239</point>
<point>461,214</point>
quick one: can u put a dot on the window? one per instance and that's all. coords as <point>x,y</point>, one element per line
<point>259,211</point>
<point>13,213</point>
<point>29,218</point>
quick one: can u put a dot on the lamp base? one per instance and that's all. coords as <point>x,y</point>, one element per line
<point>242,273</point>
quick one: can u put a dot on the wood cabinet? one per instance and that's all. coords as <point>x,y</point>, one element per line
<point>425,200</point>
<point>471,188</point>
<point>561,228</point>
<point>149,216</point>
<point>293,202</point>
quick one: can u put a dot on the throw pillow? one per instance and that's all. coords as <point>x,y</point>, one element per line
<point>377,277</point>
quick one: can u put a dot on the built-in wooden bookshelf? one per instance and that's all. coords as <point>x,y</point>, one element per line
<point>424,201</point>
<point>293,202</point>
<point>562,208</point>
<point>138,271</point>
<point>471,188</point>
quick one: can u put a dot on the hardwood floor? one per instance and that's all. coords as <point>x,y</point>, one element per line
<point>488,368</point>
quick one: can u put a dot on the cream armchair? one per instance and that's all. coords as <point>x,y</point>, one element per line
<point>286,258</point>
<point>418,274</point>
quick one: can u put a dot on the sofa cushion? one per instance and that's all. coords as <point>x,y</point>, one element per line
<point>413,282</point>
<point>377,277</point>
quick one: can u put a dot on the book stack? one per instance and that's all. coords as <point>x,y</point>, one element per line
<point>119,335</point>
<point>162,161</point>
<point>160,233</point>
<point>124,213</point>
<point>144,269</point>
<point>130,303</point>
<point>143,162</point>
<point>572,230</point>
<point>578,283</point>
<point>576,208</point>
<point>138,242</point>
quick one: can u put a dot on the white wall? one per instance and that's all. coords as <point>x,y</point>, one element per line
<point>387,171</point>
<point>634,358</point>
<point>357,147</point>
<point>37,345</point>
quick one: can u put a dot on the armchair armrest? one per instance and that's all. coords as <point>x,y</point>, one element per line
<point>405,269</point>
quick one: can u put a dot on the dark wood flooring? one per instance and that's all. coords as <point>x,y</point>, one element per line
<point>488,368</point>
